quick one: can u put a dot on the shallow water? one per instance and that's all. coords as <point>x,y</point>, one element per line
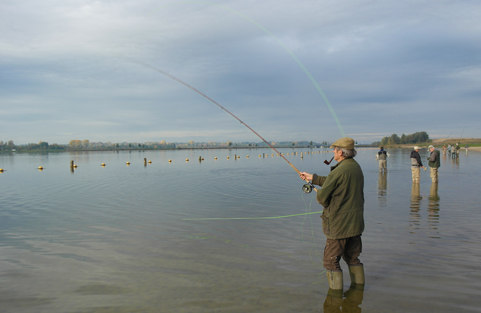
<point>121,238</point>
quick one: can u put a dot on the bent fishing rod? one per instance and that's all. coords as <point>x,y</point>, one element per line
<point>307,188</point>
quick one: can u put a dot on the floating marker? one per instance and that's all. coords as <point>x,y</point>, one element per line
<point>215,158</point>
<point>1,170</point>
<point>186,160</point>
<point>40,168</point>
<point>170,161</point>
<point>128,163</point>
<point>103,164</point>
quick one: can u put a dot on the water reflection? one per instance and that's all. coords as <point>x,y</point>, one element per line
<point>382,189</point>
<point>415,216</point>
<point>335,303</point>
<point>455,162</point>
<point>433,208</point>
<point>105,239</point>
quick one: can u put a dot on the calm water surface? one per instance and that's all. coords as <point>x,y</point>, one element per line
<point>122,238</point>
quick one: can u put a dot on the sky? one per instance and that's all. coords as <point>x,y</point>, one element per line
<point>291,70</point>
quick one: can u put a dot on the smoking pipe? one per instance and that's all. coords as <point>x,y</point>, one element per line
<point>328,162</point>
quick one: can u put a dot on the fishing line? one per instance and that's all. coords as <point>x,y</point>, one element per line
<point>304,69</point>
<point>314,246</point>
<point>247,218</point>
<point>309,184</point>
<point>313,249</point>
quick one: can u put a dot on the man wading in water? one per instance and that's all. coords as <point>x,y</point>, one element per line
<point>342,196</point>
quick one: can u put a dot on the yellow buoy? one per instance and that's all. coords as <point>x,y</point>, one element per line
<point>186,160</point>
<point>40,168</point>
<point>128,163</point>
<point>1,170</point>
<point>215,158</point>
<point>170,161</point>
<point>247,156</point>
<point>103,164</point>
<point>75,166</point>
<point>150,162</point>
<point>227,158</point>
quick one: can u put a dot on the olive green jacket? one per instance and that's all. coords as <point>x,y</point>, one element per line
<point>434,159</point>
<point>342,196</point>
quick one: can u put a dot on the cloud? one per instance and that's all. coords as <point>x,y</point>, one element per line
<point>384,66</point>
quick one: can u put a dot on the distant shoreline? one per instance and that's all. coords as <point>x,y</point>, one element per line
<point>474,144</point>
<point>168,149</point>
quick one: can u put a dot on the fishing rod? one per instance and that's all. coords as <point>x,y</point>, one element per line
<point>307,188</point>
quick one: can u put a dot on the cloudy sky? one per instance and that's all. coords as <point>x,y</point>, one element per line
<point>291,70</point>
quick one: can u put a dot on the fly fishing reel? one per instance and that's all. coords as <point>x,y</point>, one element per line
<point>307,188</point>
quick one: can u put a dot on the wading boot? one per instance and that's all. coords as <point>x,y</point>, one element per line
<point>335,280</point>
<point>357,274</point>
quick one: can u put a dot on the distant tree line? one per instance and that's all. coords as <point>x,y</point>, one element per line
<point>42,145</point>
<point>4,146</point>
<point>86,145</point>
<point>394,139</point>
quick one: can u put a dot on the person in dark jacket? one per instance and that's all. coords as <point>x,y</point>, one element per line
<point>381,156</point>
<point>434,163</point>
<point>416,165</point>
<point>342,196</point>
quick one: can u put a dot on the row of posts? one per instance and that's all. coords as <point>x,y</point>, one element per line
<point>73,165</point>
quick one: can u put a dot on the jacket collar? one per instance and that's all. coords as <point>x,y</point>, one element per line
<point>335,166</point>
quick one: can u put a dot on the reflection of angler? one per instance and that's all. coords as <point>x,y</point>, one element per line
<point>382,189</point>
<point>433,209</point>
<point>415,207</point>
<point>335,303</point>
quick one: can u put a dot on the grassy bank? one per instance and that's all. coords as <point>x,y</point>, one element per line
<point>439,142</point>
<point>472,142</point>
